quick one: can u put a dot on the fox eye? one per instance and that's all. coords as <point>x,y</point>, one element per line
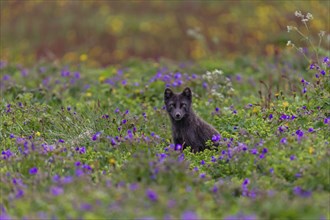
<point>172,105</point>
<point>183,105</point>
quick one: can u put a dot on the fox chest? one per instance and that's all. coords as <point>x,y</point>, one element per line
<point>186,136</point>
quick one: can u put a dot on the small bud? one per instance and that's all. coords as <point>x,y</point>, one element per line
<point>289,28</point>
<point>309,16</point>
<point>298,14</point>
<point>290,44</point>
<point>322,33</point>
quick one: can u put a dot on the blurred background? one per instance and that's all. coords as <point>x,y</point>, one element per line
<point>100,32</point>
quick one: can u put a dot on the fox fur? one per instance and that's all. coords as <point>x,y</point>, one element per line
<point>187,128</point>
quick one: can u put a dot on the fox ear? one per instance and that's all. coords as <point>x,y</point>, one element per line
<point>168,94</point>
<point>187,93</point>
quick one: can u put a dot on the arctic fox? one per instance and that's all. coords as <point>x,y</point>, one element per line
<point>187,128</point>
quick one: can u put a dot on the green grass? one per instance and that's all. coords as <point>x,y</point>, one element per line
<point>130,169</point>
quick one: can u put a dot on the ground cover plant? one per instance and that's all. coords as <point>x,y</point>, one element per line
<point>88,143</point>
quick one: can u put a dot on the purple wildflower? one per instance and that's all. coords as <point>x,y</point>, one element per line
<point>189,215</point>
<point>3,214</point>
<point>152,195</point>
<point>87,167</point>
<point>61,141</point>
<point>82,150</point>
<point>65,73</point>
<point>42,69</point>
<point>178,147</point>
<point>292,157</point>
<point>6,77</point>
<point>246,182</point>
<point>56,178</point>
<point>216,138</point>
<point>6,154</point>
<point>77,75</point>
<point>254,151</point>
<point>105,116</point>
<point>3,64</point>
<point>79,172</point>
<point>311,130</point>
<point>113,142</point>
<point>56,190</point>
<point>96,136</point>
<point>134,186</point>
<point>24,72</point>
<point>270,116</point>
<point>299,134</point>
<point>19,194</point>
<point>282,128</point>
<point>240,216</point>
<point>86,206</point>
<point>283,140</point>
<point>67,179</point>
<point>300,192</point>
<point>33,171</point>
<point>205,85</point>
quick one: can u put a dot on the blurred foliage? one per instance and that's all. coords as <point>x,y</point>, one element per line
<point>83,142</point>
<point>107,32</point>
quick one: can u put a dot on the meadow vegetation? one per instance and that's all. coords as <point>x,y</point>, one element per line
<point>79,141</point>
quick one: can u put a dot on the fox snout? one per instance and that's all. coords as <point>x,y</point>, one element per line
<point>177,115</point>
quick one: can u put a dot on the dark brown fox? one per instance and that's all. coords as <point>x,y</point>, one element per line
<point>187,128</point>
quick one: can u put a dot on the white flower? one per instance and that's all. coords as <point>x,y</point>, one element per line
<point>218,72</point>
<point>309,16</point>
<point>304,20</point>
<point>301,50</point>
<point>289,43</point>
<point>289,28</point>
<point>298,14</point>
<point>322,33</point>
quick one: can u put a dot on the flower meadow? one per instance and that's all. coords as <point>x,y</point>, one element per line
<point>89,143</point>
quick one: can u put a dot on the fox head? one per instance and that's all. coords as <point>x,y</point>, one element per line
<point>178,106</point>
